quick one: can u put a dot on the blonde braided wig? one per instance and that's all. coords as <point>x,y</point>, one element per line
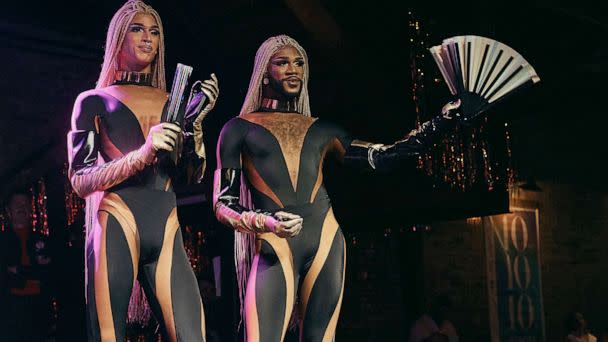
<point>115,37</point>
<point>253,99</point>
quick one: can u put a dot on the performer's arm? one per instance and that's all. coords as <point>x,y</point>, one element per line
<point>227,189</point>
<point>85,173</point>
<point>211,90</point>
<point>371,156</point>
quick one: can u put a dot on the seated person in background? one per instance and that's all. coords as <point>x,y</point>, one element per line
<point>578,329</point>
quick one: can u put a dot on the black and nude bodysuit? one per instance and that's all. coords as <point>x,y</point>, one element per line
<point>282,160</point>
<point>280,156</point>
<point>137,233</point>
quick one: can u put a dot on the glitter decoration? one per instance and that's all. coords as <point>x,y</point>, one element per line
<point>510,170</point>
<point>192,244</point>
<point>465,158</point>
<point>40,222</point>
<point>3,222</point>
<point>74,205</point>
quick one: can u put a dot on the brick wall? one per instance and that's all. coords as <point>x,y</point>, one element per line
<point>455,265</point>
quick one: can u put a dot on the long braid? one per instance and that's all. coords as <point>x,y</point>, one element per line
<point>253,99</point>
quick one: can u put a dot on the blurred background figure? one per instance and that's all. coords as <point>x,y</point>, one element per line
<point>435,325</point>
<point>578,329</point>
<point>25,264</point>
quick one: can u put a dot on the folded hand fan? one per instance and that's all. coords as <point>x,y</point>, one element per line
<point>175,108</point>
<point>175,105</point>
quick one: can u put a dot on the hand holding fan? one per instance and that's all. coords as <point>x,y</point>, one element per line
<point>481,71</point>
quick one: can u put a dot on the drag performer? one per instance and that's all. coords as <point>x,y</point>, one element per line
<point>269,187</point>
<point>115,148</point>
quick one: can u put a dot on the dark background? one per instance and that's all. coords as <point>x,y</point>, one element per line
<point>359,56</point>
<point>360,79</point>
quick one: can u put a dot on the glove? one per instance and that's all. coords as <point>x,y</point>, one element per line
<point>228,210</point>
<point>201,93</point>
<point>87,177</point>
<point>366,155</point>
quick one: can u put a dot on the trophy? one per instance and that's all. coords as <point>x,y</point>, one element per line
<point>177,110</point>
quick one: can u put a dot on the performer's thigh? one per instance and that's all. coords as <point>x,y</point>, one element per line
<point>270,292</point>
<point>321,292</point>
<point>172,289</point>
<point>111,267</point>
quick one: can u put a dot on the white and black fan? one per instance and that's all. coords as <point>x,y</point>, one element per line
<point>481,71</point>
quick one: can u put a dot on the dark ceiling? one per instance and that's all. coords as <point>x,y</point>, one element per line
<point>360,72</point>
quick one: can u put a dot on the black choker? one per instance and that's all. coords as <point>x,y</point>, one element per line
<point>272,105</point>
<point>132,77</point>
